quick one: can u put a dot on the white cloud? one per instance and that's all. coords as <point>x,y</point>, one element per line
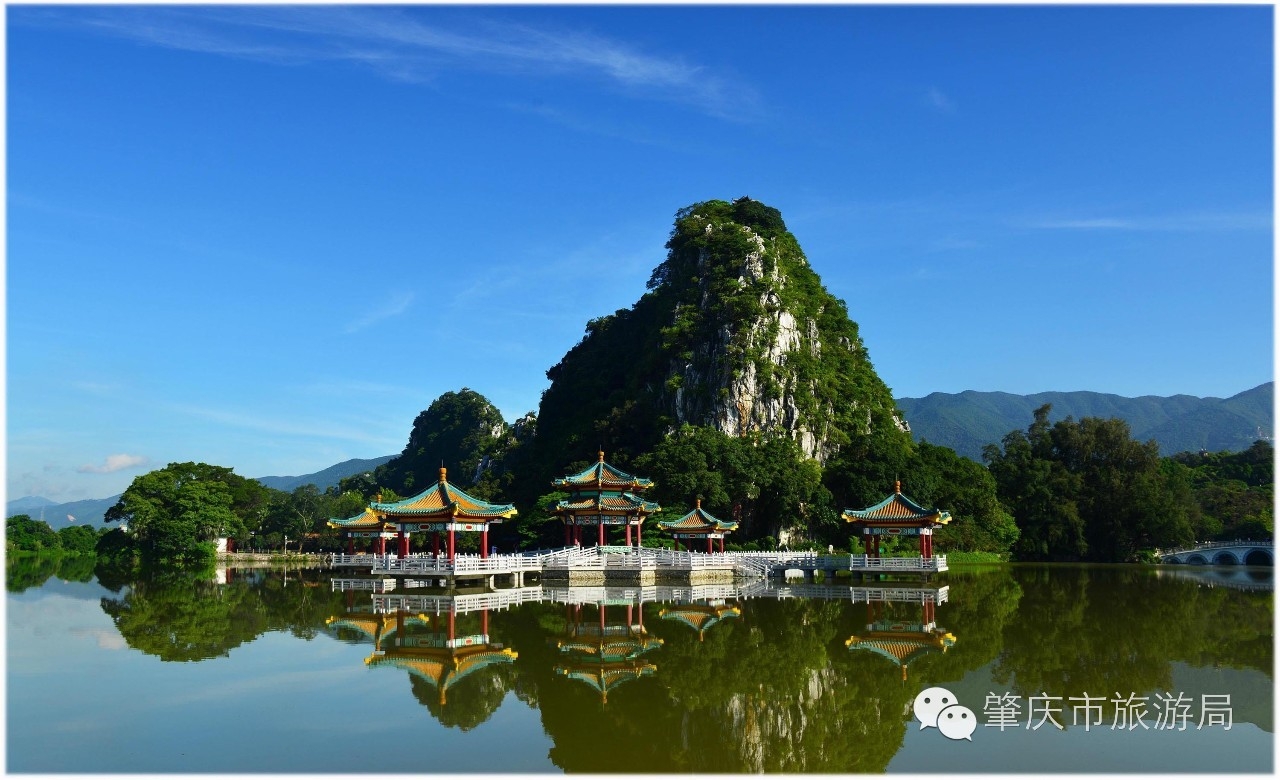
<point>938,100</point>
<point>398,46</point>
<point>114,463</point>
<point>396,306</point>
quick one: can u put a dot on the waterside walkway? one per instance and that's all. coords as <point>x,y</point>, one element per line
<point>641,565</point>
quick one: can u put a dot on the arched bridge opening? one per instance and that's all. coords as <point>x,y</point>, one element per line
<point>1259,558</point>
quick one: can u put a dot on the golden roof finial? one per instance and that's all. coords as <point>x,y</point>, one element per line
<point>443,471</point>
<point>897,486</point>
<point>697,503</point>
<point>602,456</point>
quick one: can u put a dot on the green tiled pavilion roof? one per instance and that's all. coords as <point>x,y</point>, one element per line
<point>625,504</point>
<point>698,521</point>
<point>366,519</point>
<point>601,474</point>
<point>443,501</point>
<point>897,509</point>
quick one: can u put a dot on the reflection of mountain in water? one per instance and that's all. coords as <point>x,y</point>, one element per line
<point>751,678</point>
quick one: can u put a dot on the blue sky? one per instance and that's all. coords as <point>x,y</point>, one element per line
<point>267,237</point>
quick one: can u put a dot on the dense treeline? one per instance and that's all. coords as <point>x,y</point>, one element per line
<point>1072,491</point>
<point>1087,491</point>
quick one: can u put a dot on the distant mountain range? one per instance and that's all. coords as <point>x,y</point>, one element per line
<point>91,510</point>
<point>327,478</point>
<point>968,421</point>
<point>965,422</point>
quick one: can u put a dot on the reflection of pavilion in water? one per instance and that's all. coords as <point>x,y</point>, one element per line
<point>429,647</point>
<point>902,641</point>
<point>701,616</point>
<point>605,653</point>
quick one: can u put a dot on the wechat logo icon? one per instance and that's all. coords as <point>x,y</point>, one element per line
<point>938,707</point>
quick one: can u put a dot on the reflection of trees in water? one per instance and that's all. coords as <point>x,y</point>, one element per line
<point>180,617</point>
<point>1118,630</point>
<point>469,702</point>
<point>774,689</point>
<point>24,572</point>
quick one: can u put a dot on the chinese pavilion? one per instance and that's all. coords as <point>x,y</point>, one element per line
<point>367,524</point>
<point>897,515</point>
<point>901,642</point>
<point>698,524</point>
<point>606,655</point>
<point>602,495</point>
<point>443,508</point>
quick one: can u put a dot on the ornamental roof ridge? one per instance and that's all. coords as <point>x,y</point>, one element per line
<point>366,518</point>
<point>442,496</point>
<point>699,518</point>
<point>602,473</point>
<point>897,507</point>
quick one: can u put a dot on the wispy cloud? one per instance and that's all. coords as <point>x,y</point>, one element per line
<point>397,305</point>
<point>936,99</point>
<point>281,426</point>
<point>398,45</point>
<point>1194,222</point>
<point>114,463</point>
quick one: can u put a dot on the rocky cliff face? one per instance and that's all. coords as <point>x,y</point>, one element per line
<point>736,333</point>
<point>758,345</point>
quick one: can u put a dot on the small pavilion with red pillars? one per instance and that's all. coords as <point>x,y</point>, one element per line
<point>602,495</point>
<point>367,524</point>
<point>442,508</point>
<point>698,524</point>
<point>897,515</point>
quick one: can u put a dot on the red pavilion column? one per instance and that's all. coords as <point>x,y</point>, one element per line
<point>600,526</point>
<point>452,544</point>
<point>484,541</point>
<point>380,546</point>
<point>403,539</point>
<point>709,543</point>
<point>628,532</point>
<point>484,622</point>
<point>351,545</point>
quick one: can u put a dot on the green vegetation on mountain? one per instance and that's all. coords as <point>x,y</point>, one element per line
<point>740,366</point>
<point>968,421</point>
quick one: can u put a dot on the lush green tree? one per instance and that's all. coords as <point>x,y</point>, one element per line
<point>175,513</point>
<point>79,539</point>
<point>938,477</point>
<point>1087,490</point>
<point>1234,492</point>
<point>23,534</point>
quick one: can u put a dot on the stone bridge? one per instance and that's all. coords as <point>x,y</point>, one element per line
<point>1240,552</point>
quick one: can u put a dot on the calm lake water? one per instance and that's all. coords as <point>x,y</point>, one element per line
<point>275,671</point>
